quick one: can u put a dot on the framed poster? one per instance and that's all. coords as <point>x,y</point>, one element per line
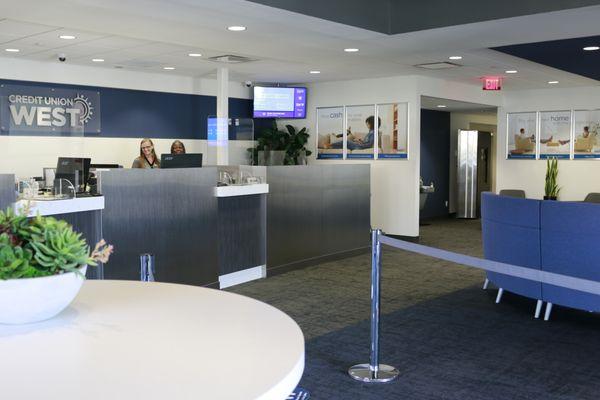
<point>586,128</point>
<point>520,135</point>
<point>330,132</point>
<point>360,131</point>
<point>392,138</point>
<point>555,134</point>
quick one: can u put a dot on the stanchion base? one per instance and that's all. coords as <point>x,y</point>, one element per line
<point>363,373</point>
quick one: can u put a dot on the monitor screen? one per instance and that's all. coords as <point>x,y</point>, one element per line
<point>279,102</point>
<point>189,160</point>
<point>75,169</point>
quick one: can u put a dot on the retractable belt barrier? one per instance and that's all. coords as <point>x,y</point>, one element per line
<point>374,372</point>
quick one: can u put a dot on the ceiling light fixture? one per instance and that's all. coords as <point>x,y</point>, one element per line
<point>351,50</point>
<point>195,55</point>
<point>67,37</point>
<point>169,68</point>
<point>12,50</point>
<point>455,58</point>
<point>236,28</point>
<point>314,72</point>
<point>441,106</point>
<point>552,82</point>
<point>591,48</point>
<point>98,59</point>
<point>511,71</point>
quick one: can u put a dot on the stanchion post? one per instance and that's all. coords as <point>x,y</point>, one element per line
<point>374,372</point>
<point>147,267</point>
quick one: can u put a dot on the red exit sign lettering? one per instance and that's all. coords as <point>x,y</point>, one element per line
<point>492,83</point>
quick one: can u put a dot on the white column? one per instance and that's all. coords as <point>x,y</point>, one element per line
<point>223,116</point>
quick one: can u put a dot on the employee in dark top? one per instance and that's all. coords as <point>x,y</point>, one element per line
<point>177,147</point>
<point>147,158</point>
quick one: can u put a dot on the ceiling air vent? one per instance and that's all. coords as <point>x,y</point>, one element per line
<point>231,59</point>
<point>438,65</point>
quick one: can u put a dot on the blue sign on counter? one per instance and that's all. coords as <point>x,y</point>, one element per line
<point>48,111</point>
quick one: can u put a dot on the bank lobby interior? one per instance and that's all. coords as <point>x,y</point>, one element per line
<point>436,246</point>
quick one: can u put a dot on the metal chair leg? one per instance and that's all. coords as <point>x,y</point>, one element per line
<point>499,297</point>
<point>486,283</point>
<point>548,311</point>
<point>538,308</point>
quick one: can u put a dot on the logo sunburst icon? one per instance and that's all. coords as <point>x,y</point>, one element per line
<point>87,110</point>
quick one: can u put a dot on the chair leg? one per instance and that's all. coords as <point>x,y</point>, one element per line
<point>548,311</point>
<point>486,283</point>
<point>499,297</point>
<point>538,308</point>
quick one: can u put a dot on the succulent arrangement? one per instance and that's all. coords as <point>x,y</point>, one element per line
<point>43,246</point>
<point>551,188</point>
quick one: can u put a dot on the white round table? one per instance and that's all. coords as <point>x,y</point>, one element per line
<point>138,340</point>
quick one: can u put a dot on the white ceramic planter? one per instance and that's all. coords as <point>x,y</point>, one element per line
<point>24,301</point>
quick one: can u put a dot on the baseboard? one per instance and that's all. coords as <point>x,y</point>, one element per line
<point>281,269</point>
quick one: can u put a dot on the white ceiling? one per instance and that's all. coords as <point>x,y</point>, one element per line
<point>147,35</point>
<point>432,103</point>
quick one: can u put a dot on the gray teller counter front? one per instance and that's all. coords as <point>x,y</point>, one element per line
<point>201,233</point>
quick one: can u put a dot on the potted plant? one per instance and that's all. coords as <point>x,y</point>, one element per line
<point>296,152</point>
<point>551,189</point>
<point>42,266</point>
<point>279,147</point>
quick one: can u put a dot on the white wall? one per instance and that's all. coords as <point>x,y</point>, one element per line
<point>576,177</point>
<point>26,155</point>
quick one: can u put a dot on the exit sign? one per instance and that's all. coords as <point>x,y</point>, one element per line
<point>492,83</point>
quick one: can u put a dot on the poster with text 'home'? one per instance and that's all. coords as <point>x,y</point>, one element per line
<point>555,134</point>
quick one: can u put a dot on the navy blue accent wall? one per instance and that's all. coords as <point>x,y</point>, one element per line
<point>435,159</point>
<point>139,113</point>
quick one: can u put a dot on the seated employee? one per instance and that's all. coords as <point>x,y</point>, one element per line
<point>177,147</point>
<point>358,144</point>
<point>147,157</point>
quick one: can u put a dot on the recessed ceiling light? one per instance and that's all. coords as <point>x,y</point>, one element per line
<point>441,106</point>
<point>195,55</point>
<point>314,72</point>
<point>169,68</point>
<point>98,59</point>
<point>591,48</point>
<point>455,58</point>
<point>236,28</point>
<point>351,50</point>
<point>552,82</point>
<point>12,50</point>
<point>511,71</point>
<point>67,37</point>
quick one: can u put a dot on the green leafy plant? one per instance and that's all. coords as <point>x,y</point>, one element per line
<point>551,189</point>
<point>43,246</point>
<point>291,141</point>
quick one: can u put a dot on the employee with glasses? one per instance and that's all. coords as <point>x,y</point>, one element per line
<point>147,158</point>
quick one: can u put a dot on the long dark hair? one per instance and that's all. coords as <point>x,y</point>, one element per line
<point>177,142</point>
<point>142,156</point>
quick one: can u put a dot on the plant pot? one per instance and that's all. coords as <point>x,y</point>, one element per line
<point>28,300</point>
<point>549,197</point>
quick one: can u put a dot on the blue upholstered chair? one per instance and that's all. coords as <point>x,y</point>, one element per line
<point>511,234</point>
<point>570,245</point>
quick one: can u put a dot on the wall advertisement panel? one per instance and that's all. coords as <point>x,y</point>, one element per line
<point>555,134</point>
<point>586,131</point>
<point>360,131</point>
<point>330,132</point>
<point>392,138</point>
<point>521,135</point>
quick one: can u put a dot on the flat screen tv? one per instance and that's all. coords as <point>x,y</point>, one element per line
<point>279,102</point>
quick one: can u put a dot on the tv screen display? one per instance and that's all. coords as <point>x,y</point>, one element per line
<point>279,102</point>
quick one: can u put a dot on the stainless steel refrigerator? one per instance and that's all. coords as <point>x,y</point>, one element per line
<point>473,174</point>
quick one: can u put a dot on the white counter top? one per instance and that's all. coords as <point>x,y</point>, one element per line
<point>66,206</point>
<point>241,190</point>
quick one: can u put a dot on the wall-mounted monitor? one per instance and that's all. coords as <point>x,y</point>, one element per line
<point>279,102</point>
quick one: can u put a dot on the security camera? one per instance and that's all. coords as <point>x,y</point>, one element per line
<point>248,83</point>
<point>62,57</point>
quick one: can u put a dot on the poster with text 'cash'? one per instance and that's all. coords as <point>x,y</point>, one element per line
<point>330,132</point>
<point>555,134</point>
<point>586,142</point>
<point>520,135</point>
<point>360,131</point>
<point>393,130</point>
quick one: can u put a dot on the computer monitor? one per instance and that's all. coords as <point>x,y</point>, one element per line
<point>75,169</point>
<point>189,160</point>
